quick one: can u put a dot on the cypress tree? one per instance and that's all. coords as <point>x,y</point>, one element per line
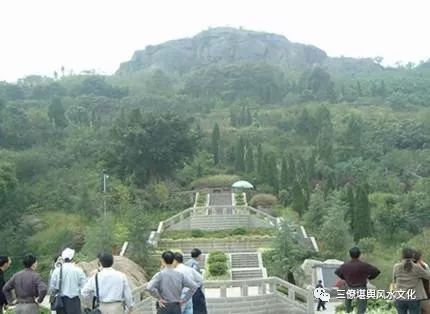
<point>239,161</point>
<point>361,214</point>
<point>260,169</point>
<point>250,167</point>
<point>271,171</point>
<point>215,143</point>
<point>350,206</point>
<point>291,178</point>
<point>284,174</point>
<point>298,199</point>
<point>248,117</point>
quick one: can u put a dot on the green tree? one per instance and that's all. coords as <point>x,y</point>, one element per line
<point>362,221</point>
<point>99,237</point>
<point>284,174</point>
<point>314,217</point>
<point>239,161</point>
<point>260,163</point>
<point>250,166</point>
<point>334,232</point>
<point>298,199</point>
<point>350,202</point>
<point>138,233</point>
<point>152,148</point>
<point>216,143</point>
<point>271,171</point>
<point>292,177</point>
<point>56,113</point>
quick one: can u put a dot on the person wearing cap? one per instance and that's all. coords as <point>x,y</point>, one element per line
<point>29,288</point>
<point>72,281</point>
<point>114,292</point>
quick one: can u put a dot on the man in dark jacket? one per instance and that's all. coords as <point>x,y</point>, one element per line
<point>29,288</point>
<point>4,265</point>
<point>356,273</point>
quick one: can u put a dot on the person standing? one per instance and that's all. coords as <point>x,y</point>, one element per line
<point>167,286</point>
<point>199,299</point>
<point>114,291</point>
<point>356,273</point>
<point>29,288</point>
<point>425,304</point>
<point>321,303</point>
<point>4,265</point>
<point>68,280</point>
<point>191,274</point>
<point>409,276</point>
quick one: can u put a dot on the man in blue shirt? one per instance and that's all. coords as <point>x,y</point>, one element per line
<point>199,299</point>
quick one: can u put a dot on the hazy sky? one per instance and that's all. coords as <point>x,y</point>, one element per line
<point>39,36</point>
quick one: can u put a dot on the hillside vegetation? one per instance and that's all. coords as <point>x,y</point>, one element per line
<point>342,143</point>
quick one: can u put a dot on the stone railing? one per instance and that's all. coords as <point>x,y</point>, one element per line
<point>298,297</point>
<point>225,211</point>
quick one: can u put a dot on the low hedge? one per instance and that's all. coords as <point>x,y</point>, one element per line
<point>218,234</point>
<point>217,257</point>
<point>218,269</point>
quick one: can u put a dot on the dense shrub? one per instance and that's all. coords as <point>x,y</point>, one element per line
<point>238,231</point>
<point>196,233</point>
<point>264,200</point>
<point>214,181</point>
<point>217,257</point>
<point>218,268</point>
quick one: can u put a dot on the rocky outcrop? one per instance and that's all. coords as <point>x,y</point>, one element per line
<point>223,45</point>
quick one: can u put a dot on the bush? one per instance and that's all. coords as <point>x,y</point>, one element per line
<point>264,200</point>
<point>367,245</point>
<point>218,268</point>
<point>214,181</point>
<point>239,231</point>
<point>196,233</point>
<point>217,257</point>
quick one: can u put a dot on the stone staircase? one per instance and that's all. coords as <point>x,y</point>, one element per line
<point>265,304</point>
<point>220,199</point>
<point>246,266</point>
<point>241,274</point>
<point>223,245</point>
<point>245,260</point>
<point>256,296</point>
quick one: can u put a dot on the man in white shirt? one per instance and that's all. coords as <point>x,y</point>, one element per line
<point>114,290</point>
<point>72,280</point>
<point>190,274</point>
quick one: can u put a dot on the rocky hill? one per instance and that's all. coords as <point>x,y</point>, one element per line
<point>230,45</point>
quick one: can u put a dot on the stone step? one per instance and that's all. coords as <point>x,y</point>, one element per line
<point>266,304</point>
<point>241,274</point>
<point>260,304</point>
<point>227,246</point>
<point>220,199</point>
<point>245,260</point>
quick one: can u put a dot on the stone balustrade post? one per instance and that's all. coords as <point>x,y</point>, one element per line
<point>223,291</point>
<point>244,289</point>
